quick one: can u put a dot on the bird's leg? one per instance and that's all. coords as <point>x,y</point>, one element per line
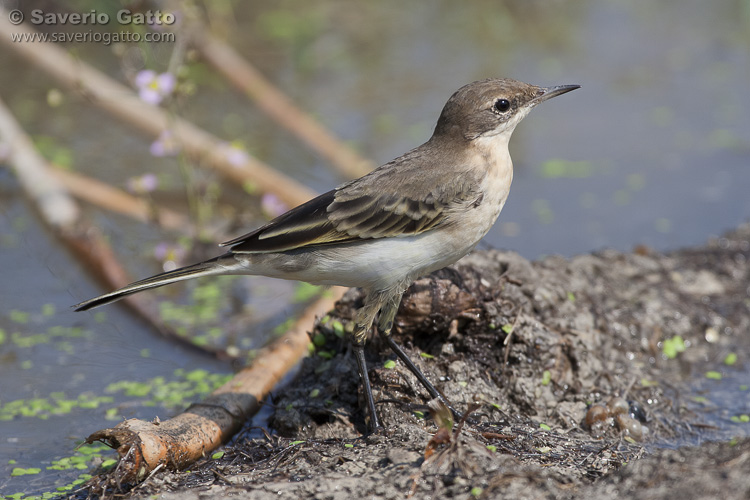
<point>364,319</point>
<point>385,325</point>
<point>359,354</point>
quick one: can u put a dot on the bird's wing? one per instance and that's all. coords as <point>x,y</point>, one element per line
<point>356,211</point>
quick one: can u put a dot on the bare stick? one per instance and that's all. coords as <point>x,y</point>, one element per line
<point>111,198</point>
<point>277,105</point>
<point>180,441</point>
<point>62,214</point>
<point>56,207</point>
<point>176,443</point>
<point>123,103</point>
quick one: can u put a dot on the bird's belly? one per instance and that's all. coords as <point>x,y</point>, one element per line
<point>372,264</point>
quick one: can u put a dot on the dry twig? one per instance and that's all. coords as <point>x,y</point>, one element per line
<point>123,103</point>
<point>180,441</point>
<point>277,105</point>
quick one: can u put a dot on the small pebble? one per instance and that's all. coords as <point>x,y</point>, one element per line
<point>630,426</point>
<point>617,406</point>
<point>597,413</point>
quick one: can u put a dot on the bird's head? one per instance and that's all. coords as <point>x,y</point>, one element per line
<point>492,107</point>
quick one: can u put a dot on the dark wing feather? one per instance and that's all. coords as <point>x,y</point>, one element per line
<point>304,225</point>
<point>355,211</point>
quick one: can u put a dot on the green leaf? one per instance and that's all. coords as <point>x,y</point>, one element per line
<point>673,346</point>
<point>730,359</point>
<point>338,328</point>
<point>713,375</point>
<point>390,364</point>
<point>319,339</point>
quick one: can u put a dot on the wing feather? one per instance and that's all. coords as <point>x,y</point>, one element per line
<point>355,211</point>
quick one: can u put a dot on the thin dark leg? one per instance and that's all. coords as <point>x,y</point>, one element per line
<point>418,373</point>
<point>359,353</point>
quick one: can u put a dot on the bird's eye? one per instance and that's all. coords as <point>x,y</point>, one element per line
<point>501,105</point>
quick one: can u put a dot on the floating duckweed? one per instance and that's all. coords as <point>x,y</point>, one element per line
<point>17,316</point>
<point>55,404</point>
<point>20,471</point>
<point>557,168</point>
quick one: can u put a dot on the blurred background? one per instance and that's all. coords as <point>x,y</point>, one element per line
<point>653,150</point>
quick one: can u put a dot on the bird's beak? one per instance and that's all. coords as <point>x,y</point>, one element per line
<point>550,92</point>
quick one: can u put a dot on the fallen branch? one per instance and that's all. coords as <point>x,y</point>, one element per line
<point>277,105</point>
<point>123,103</point>
<point>178,442</point>
<point>55,206</point>
<point>59,211</point>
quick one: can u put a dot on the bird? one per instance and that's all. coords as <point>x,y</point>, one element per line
<point>416,214</point>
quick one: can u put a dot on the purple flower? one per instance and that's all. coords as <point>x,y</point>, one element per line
<point>143,184</point>
<point>169,255</point>
<point>235,154</point>
<point>272,206</point>
<point>164,145</point>
<point>153,88</point>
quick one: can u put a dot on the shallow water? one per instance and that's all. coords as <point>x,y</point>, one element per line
<point>653,149</point>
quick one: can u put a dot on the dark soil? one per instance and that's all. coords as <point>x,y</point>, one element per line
<point>528,348</point>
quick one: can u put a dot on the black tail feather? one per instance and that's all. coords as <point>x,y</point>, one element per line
<point>217,265</point>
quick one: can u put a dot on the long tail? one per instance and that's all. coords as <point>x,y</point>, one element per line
<point>223,264</point>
